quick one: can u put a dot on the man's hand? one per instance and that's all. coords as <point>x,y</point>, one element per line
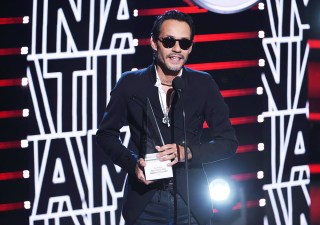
<point>172,152</point>
<point>139,172</point>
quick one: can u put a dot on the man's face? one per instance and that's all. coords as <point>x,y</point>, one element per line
<point>171,60</point>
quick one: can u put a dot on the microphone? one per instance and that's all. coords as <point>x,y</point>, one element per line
<point>178,85</point>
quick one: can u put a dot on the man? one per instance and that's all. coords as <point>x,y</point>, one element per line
<point>164,201</point>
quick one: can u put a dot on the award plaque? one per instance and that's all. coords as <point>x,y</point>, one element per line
<point>154,169</point>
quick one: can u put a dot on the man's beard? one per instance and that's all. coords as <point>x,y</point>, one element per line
<point>169,69</point>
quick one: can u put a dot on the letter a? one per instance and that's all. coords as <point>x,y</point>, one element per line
<point>123,11</point>
<point>58,173</point>
<point>299,148</point>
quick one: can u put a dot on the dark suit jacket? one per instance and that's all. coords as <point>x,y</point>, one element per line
<point>202,102</point>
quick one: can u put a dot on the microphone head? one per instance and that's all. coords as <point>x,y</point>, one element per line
<point>178,84</point>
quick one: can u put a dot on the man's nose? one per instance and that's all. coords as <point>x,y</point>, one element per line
<point>176,47</point>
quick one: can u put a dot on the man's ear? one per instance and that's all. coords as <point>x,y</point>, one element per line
<point>153,44</point>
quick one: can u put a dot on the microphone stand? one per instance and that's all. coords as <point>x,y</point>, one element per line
<point>185,156</point>
<point>178,84</point>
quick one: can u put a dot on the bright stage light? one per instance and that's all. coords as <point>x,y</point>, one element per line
<point>260,146</point>
<point>260,175</point>
<point>24,50</point>
<point>24,143</point>
<point>261,6</point>
<point>24,81</point>
<point>135,42</point>
<point>262,202</point>
<point>25,112</point>
<point>26,19</point>
<point>260,119</point>
<point>219,190</point>
<point>262,62</point>
<point>135,13</point>
<point>26,174</point>
<point>261,34</point>
<point>27,204</point>
<point>259,90</point>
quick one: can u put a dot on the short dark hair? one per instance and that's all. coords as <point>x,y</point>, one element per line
<point>171,15</point>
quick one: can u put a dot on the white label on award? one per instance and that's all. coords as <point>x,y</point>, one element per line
<point>156,169</point>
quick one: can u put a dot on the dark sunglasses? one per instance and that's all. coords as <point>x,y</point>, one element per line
<point>169,42</point>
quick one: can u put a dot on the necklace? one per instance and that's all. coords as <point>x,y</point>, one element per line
<point>166,119</point>
<point>168,85</point>
<point>166,81</point>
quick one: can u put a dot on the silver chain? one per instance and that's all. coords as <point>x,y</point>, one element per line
<point>165,119</point>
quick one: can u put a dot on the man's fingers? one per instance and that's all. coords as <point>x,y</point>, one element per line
<point>142,179</point>
<point>166,149</point>
<point>139,172</point>
<point>141,163</point>
<point>178,152</point>
<point>173,161</point>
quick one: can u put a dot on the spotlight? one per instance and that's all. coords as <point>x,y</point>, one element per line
<point>260,119</point>
<point>260,175</point>
<point>26,19</point>
<point>261,6</point>
<point>25,112</point>
<point>135,13</point>
<point>219,190</point>
<point>135,42</point>
<point>24,50</point>
<point>262,202</point>
<point>262,62</point>
<point>24,143</point>
<point>27,204</point>
<point>24,81</point>
<point>26,174</point>
<point>261,34</point>
<point>260,146</point>
<point>259,90</point>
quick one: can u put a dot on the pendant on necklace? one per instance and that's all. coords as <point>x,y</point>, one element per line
<point>166,120</point>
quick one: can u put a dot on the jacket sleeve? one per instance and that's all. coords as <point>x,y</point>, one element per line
<point>108,134</point>
<point>223,142</point>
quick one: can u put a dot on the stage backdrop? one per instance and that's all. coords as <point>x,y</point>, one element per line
<point>258,57</point>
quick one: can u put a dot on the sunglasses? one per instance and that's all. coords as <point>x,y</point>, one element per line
<point>169,42</point>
